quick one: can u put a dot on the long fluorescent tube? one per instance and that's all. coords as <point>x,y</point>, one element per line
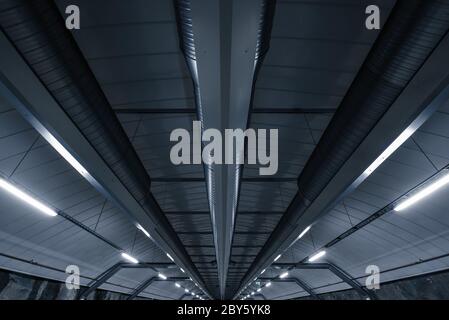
<point>268,284</point>
<point>253,293</point>
<point>145,232</point>
<point>441,182</point>
<point>65,154</point>
<point>182,270</point>
<point>407,133</point>
<point>170,257</point>
<point>263,271</point>
<point>284,275</point>
<point>258,290</point>
<point>317,255</point>
<point>277,258</point>
<point>177,285</point>
<point>129,258</point>
<point>26,198</point>
<point>303,232</point>
<point>186,290</point>
<point>162,276</point>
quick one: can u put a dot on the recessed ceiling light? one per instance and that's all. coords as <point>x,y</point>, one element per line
<point>434,186</point>
<point>284,275</point>
<point>145,232</point>
<point>407,133</point>
<point>317,255</point>
<point>129,258</point>
<point>170,257</point>
<point>303,232</point>
<point>65,154</point>
<point>162,276</point>
<point>26,198</point>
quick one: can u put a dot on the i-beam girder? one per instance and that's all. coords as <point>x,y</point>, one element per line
<point>363,291</point>
<point>106,275</point>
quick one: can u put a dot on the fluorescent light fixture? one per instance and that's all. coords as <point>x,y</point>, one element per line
<point>284,275</point>
<point>26,198</point>
<point>182,270</point>
<point>177,285</point>
<point>277,258</point>
<point>192,293</point>
<point>186,290</point>
<point>145,232</point>
<point>317,255</point>
<point>434,186</point>
<point>303,232</point>
<point>263,271</point>
<point>268,284</point>
<point>129,258</point>
<point>170,257</point>
<point>65,154</point>
<point>253,293</point>
<point>258,290</point>
<point>407,133</point>
<point>162,276</point>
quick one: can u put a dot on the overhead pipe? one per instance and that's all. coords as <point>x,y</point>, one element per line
<point>237,70</point>
<point>411,33</point>
<point>37,30</point>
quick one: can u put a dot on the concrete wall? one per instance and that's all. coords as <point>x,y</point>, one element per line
<point>429,287</point>
<point>15,286</point>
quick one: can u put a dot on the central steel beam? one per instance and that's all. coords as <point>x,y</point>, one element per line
<point>223,42</point>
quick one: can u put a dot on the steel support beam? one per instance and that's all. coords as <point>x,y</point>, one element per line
<point>423,95</point>
<point>362,291</point>
<point>106,275</point>
<point>148,282</point>
<point>141,287</point>
<point>299,282</point>
<point>101,279</point>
